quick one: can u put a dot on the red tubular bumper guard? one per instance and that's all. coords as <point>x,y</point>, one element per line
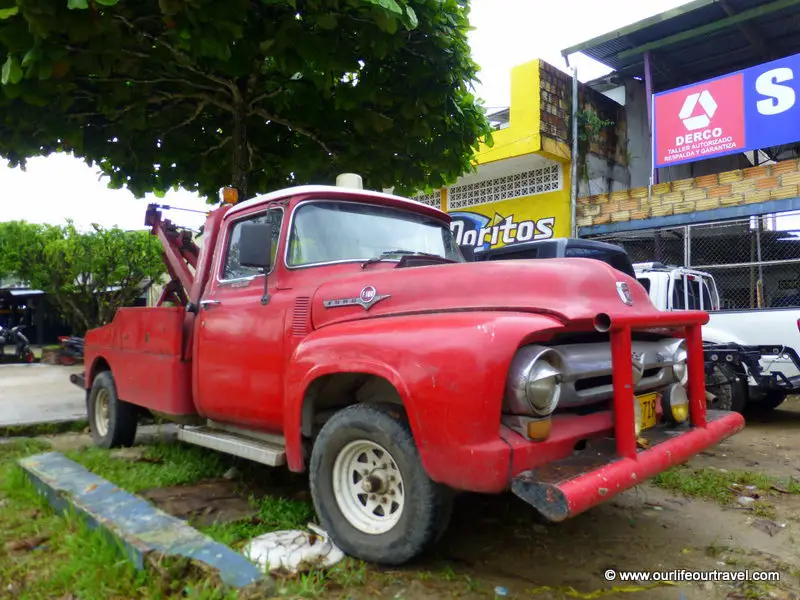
<point>565,488</point>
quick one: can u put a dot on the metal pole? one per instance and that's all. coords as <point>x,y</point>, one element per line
<point>574,161</point>
<point>624,415</point>
<point>648,88</point>
<point>760,284</point>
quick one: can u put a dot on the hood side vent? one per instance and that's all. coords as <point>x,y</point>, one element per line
<point>301,317</point>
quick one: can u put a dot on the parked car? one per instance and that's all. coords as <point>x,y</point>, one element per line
<point>339,331</point>
<point>770,335</point>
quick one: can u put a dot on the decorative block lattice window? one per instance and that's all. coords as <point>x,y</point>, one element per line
<point>433,199</point>
<point>529,183</point>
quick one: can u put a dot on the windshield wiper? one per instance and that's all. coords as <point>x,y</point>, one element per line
<point>384,256</point>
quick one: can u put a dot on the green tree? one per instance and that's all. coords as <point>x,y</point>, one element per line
<point>256,93</point>
<point>87,276</point>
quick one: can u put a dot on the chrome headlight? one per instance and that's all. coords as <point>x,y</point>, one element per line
<point>679,366</point>
<point>534,382</point>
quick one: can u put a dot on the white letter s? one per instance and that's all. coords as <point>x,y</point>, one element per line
<point>780,98</point>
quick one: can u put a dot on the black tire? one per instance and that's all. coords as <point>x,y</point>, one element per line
<point>723,381</point>
<point>426,504</point>
<point>771,401</point>
<point>120,428</point>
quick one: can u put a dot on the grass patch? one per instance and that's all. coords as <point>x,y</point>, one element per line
<point>45,555</point>
<point>724,486</point>
<point>39,429</point>
<point>59,557</point>
<point>161,465</point>
<point>166,465</point>
<point>274,514</point>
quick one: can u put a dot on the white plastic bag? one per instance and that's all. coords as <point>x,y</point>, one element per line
<point>293,551</point>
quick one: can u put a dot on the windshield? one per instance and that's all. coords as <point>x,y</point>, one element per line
<point>331,231</point>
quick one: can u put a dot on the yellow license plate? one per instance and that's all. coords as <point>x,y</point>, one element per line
<point>647,403</point>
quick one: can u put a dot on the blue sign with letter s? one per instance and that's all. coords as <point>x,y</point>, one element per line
<point>772,103</point>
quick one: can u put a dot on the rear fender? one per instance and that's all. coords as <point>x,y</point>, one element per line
<point>449,371</point>
<point>96,365</point>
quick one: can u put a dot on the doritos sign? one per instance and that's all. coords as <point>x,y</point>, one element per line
<point>750,109</point>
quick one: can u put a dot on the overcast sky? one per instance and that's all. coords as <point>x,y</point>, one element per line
<point>507,33</point>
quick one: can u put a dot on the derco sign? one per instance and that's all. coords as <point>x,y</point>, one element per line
<point>746,110</point>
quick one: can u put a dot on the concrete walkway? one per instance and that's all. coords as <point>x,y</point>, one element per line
<point>39,394</point>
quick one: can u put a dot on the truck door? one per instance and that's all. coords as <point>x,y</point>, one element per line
<point>238,371</point>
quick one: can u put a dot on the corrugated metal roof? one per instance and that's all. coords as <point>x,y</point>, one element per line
<point>699,40</point>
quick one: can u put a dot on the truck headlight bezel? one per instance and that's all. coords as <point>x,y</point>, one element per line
<point>534,382</point>
<point>543,387</point>
<point>680,368</point>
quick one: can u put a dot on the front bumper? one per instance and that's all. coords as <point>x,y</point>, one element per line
<point>565,488</point>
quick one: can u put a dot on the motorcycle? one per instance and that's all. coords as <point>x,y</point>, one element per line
<point>15,337</point>
<point>71,350</point>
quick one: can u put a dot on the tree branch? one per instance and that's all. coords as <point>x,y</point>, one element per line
<point>301,130</point>
<point>217,147</point>
<point>180,56</point>
<point>200,108</point>
<point>251,105</point>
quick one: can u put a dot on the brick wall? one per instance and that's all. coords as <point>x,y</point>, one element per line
<point>556,108</point>
<point>731,188</point>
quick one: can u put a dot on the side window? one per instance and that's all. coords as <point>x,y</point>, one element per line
<point>708,303</point>
<point>232,269</point>
<point>678,300</point>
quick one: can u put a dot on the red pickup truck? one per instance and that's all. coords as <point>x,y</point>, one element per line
<point>340,331</point>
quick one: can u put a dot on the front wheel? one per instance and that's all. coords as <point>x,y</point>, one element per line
<point>370,490</point>
<point>112,421</point>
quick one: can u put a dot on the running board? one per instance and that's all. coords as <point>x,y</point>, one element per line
<point>267,453</point>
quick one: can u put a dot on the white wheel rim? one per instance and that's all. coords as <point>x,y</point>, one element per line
<point>101,412</point>
<point>368,487</point>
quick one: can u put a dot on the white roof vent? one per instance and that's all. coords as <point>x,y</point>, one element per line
<point>349,180</point>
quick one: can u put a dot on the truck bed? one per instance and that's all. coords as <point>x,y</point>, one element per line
<point>144,349</point>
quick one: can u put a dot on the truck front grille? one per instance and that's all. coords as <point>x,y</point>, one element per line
<point>587,373</point>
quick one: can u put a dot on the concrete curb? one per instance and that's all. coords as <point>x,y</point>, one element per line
<point>140,527</point>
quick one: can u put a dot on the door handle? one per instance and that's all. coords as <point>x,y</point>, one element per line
<point>209,303</point>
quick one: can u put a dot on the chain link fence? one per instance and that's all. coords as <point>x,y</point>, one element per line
<point>755,261</point>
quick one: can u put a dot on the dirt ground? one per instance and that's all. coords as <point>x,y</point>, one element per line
<point>499,542</point>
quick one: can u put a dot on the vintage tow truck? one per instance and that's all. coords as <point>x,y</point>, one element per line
<point>340,331</point>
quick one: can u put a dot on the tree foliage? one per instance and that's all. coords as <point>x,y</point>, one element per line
<point>255,93</point>
<point>88,276</point>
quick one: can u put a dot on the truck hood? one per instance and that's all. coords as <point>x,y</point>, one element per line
<point>570,289</point>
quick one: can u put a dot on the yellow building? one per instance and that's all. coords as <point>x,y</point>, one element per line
<point>521,188</point>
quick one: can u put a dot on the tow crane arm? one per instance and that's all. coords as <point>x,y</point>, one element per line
<point>188,265</point>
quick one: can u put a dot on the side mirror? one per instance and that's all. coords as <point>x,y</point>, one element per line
<point>255,245</point>
<point>468,252</point>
